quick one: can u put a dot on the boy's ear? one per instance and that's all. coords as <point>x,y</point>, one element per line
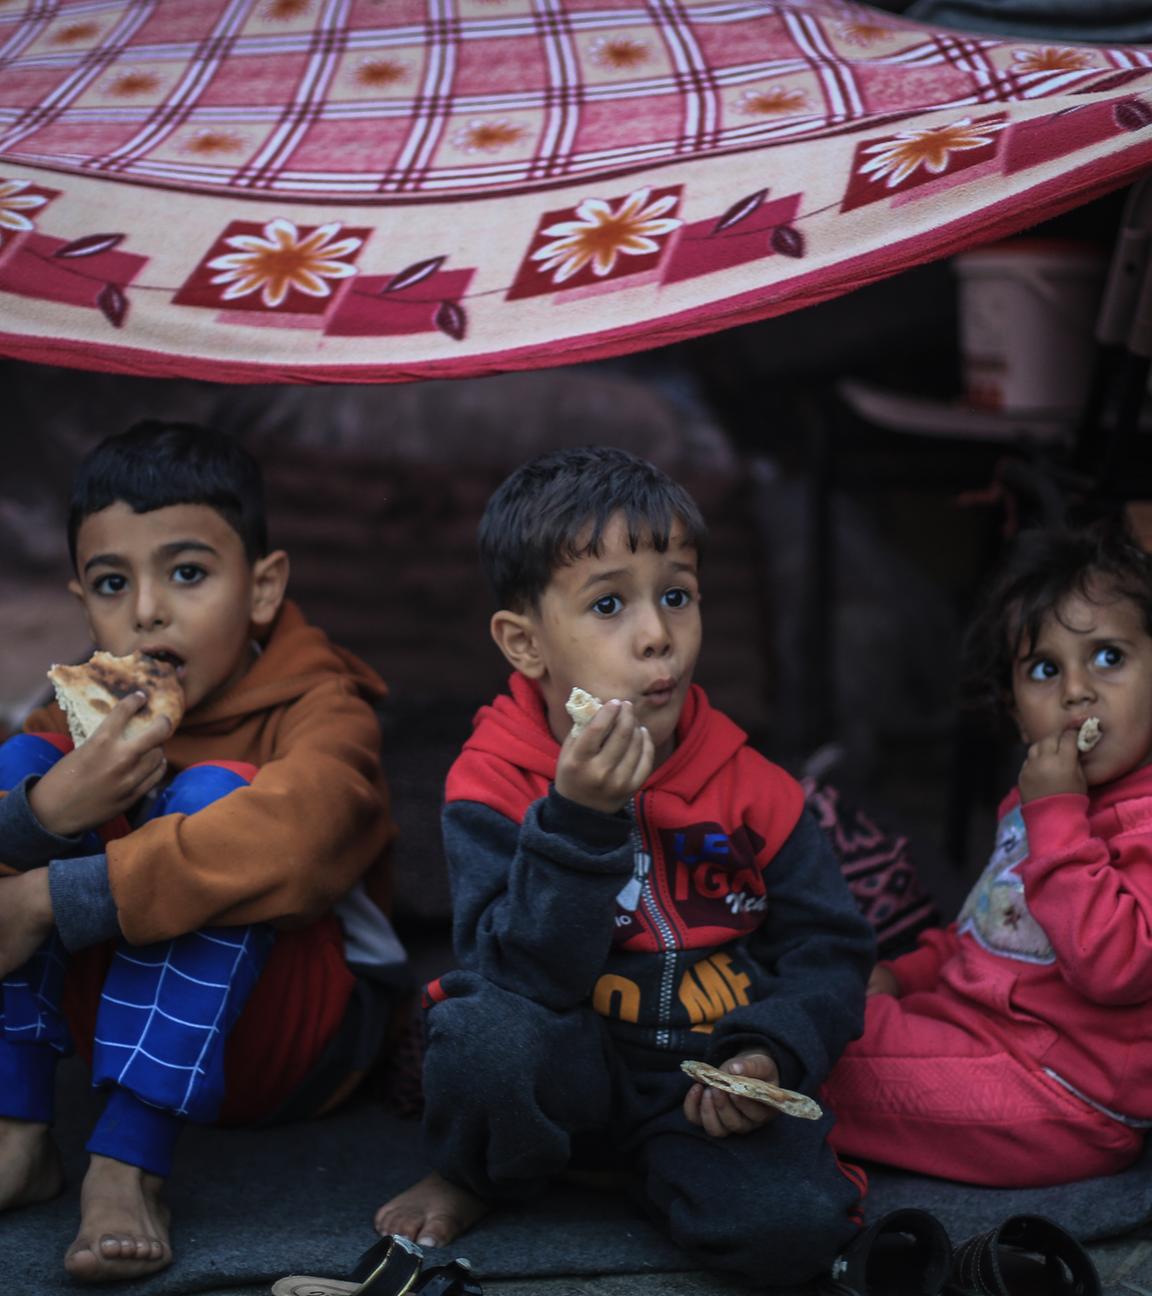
<point>269,585</point>
<point>514,633</point>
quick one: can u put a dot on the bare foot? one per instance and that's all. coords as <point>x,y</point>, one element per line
<point>431,1212</point>
<point>30,1169</point>
<point>123,1224</point>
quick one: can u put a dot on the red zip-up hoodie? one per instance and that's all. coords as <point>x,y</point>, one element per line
<point>709,918</point>
<point>1053,947</point>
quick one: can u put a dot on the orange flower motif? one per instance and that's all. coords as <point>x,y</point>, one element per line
<point>381,72</point>
<point>281,260</point>
<point>931,148</point>
<point>279,10</point>
<point>1051,58</point>
<point>133,83</point>
<point>76,32</point>
<point>775,101</point>
<point>601,234</point>
<point>14,202</point>
<point>859,31</point>
<point>209,142</point>
<point>488,136</point>
<point>618,51</point>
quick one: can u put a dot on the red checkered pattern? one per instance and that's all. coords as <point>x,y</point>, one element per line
<point>300,98</point>
<point>246,189</point>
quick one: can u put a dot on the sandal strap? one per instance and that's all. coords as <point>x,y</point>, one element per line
<point>389,1267</point>
<point>978,1270</point>
<point>931,1253</point>
<point>452,1279</point>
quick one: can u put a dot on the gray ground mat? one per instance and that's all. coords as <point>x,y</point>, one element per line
<point>252,1205</point>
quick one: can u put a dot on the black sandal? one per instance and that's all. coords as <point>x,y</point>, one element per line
<point>1026,1255</point>
<point>391,1267</point>
<point>905,1253</point>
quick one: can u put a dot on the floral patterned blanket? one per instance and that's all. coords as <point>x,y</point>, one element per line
<point>382,190</point>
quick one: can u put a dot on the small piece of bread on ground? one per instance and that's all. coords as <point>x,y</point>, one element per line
<point>785,1100</point>
<point>1089,735</point>
<point>87,692</point>
<point>581,707</point>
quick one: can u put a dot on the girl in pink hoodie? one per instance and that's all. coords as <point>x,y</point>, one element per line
<point>1012,1047</point>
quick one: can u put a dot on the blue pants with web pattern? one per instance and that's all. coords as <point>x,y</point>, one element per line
<point>165,1009</point>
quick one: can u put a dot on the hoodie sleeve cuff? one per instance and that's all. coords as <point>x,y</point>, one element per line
<point>1057,825</point>
<point>24,841</point>
<point>602,832</point>
<point>82,904</point>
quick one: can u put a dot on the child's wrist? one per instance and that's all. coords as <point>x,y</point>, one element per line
<point>590,802</point>
<point>36,898</point>
<point>42,805</point>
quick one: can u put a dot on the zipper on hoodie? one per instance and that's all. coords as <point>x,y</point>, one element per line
<point>651,905</point>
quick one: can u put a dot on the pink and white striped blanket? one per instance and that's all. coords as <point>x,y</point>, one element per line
<point>381,190</point>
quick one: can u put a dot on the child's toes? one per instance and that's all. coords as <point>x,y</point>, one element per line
<point>438,1230</point>
<point>128,1246</point>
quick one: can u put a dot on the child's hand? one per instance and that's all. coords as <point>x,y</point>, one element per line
<point>25,917</point>
<point>720,1113</point>
<point>102,778</point>
<point>1052,766</point>
<point>883,981</point>
<point>606,762</point>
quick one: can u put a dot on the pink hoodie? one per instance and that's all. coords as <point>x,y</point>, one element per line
<point>1053,947</point>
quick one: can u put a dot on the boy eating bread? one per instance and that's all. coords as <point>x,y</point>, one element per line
<point>171,893</point>
<point>633,887</point>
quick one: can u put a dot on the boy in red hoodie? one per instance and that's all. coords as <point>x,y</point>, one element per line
<point>644,891</point>
<point>1012,1048</point>
<point>174,896</point>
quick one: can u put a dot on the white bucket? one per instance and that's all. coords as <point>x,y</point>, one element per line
<point>1027,311</point>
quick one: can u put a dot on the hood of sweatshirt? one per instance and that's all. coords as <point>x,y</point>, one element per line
<point>515,728</point>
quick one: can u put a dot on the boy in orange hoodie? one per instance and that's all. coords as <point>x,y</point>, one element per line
<point>202,908</point>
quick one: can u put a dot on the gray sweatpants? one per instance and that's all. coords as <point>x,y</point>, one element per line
<point>511,1087</point>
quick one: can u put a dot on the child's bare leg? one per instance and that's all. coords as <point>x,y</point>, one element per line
<point>30,1169</point>
<point>431,1212</point>
<point>123,1224</point>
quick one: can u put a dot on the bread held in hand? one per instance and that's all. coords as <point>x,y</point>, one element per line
<point>581,707</point>
<point>88,692</point>
<point>786,1100</point>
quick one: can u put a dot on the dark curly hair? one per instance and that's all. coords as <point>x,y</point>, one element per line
<point>1044,567</point>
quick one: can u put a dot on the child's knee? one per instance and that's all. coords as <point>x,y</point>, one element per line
<point>28,754</point>
<point>199,785</point>
<point>486,1043</point>
<point>466,1050</point>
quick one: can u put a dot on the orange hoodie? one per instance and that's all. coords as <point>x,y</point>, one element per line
<point>313,822</point>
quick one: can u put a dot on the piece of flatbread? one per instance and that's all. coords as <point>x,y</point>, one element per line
<point>785,1100</point>
<point>87,692</point>
<point>581,707</point>
<point>1089,735</point>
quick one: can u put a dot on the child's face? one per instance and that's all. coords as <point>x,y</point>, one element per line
<point>176,583</point>
<point>1092,659</point>
<point>621,625</point>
